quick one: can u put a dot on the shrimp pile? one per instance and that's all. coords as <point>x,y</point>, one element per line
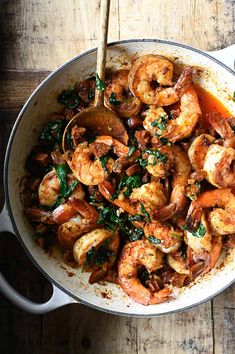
<point>151,215</point>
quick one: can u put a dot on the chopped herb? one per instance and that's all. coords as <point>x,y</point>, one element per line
<point>160,122</point>
<point>158,155</point>
<point>234,95</point>
<point>200,232</point>
<point>153,240</point>
<point>233,128</point>
<point>144,211</point>
<point>69,99</point>
<point>113,100</point>
<point>99,83</point>
<point>131,150</point>
<point>52,132</point>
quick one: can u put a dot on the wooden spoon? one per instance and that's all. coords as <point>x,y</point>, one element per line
<point>99,119</point>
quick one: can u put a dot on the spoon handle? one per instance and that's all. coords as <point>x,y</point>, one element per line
<point>102,49</point>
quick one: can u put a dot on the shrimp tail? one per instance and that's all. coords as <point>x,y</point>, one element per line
<point>166,212</point>
<point>222,127</point>
<point>193,219</point>
<point>184,80</point>
<point>160,296</point>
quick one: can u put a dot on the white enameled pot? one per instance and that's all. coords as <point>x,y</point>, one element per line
<point>216,75</point>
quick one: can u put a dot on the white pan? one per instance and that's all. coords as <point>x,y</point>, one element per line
<point>217,76</point>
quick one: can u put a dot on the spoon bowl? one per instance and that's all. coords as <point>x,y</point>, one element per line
<point>100,121</point>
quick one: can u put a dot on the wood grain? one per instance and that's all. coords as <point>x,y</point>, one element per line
<point>43,34</point>
<point>36,37</point>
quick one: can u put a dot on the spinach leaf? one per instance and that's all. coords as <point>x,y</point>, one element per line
<point>62,175</point>
<point>131,150</point>
<point>113,100</point>
<point>184,250</point>
<point>99,83</point>
<point>200,232</point>
<point>52,132</point>
<point>153,240</point>
<point>69,99</point>
<point>136,217</point>
<point>135,233</point>
<point>103,160</point>
<point>144,211</point>
<point>99,256</point>
<point>143,162</point>
<point>130,182</point>
<point>108,217</point>
<point>65,190</point>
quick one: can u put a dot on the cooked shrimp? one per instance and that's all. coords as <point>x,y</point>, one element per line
<point>93,239</point>
<point>118,96</point>
<point>177,262</point>
<point>198,150</point>
<point>76,217</point>
<point>164,237</point>
<point>160,167</point>
<point>216,160</point>
<point>49,189</point>
<point>150,74</point>
<point>150,194</point>
<point>222,127</point>
<point>155,119</point>
<point>88,171</point>
<point>221,219</point>
<point>119,149</point>
<point>107,190</point>
<point>202,262</point>
<point>135,254</point>
<point>181,168</point>
<point>219,165</point>
<point>197,244</point>
<point>190,111</point>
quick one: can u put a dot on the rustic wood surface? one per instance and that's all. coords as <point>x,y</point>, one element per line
<point>36,37</point>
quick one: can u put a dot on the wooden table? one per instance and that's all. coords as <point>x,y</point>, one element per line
<point>37,36</point>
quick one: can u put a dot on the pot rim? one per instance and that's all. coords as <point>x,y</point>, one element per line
<point>6,163</point>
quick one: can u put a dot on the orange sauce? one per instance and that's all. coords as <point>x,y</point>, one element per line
<point>210,103</point>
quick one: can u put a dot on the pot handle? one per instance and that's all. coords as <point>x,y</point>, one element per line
<point>58,298</point>
<point>226,56</point>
